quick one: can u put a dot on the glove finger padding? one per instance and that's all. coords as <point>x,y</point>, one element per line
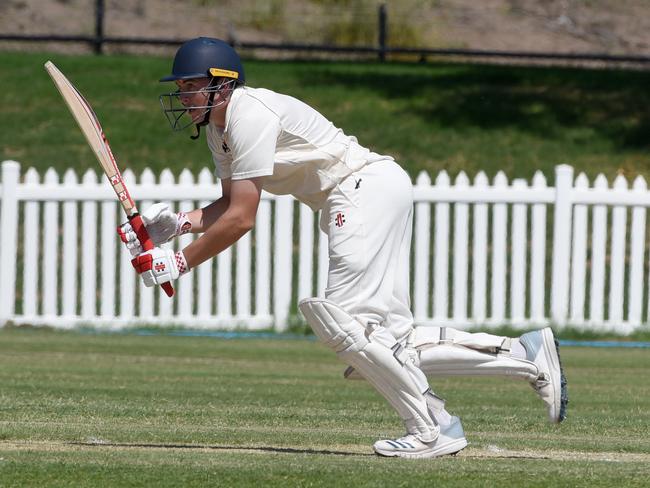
<point>134,247</point>
<point>159,266</point>
<point>130,239</point>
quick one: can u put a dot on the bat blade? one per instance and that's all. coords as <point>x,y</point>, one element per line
<point>94,134</point>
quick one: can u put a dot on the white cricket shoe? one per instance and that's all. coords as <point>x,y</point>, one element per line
<point>450,441</point>
<point>544,350</point>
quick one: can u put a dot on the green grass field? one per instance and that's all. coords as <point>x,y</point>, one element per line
<point>128,410</point>
<point>430,116</point>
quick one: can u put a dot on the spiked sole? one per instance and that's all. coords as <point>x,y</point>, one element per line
<point>551,345</point>
<point>564,395</point>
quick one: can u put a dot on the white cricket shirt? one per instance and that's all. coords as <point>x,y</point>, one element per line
<point>299,151</point>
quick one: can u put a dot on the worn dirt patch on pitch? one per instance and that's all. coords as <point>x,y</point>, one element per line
<point>339,450</point>
<point>555,455</point>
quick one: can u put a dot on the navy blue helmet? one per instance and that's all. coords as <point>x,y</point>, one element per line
<point>206,57</point>
<point>202,57</point>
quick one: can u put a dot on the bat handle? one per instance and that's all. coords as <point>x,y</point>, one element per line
<point>147,244</point>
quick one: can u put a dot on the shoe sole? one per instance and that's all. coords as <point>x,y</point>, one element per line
<point>552,352</point>
<point>450,449</point>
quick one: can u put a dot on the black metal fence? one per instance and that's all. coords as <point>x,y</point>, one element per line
<point>381,50</point>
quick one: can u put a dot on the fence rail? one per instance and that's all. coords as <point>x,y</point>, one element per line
<point>382,49</point>
<point>485,253</point>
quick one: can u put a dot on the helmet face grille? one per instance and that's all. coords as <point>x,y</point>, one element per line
<point>204,57</point>
<point>178,114</point>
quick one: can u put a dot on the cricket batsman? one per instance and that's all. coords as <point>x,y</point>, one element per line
<point>260,139</point>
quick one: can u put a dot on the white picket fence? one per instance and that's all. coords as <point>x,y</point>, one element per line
<point>484,254</point>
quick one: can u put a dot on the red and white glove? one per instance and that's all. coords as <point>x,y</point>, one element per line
<point>158,265</point>
<point>161,224</point>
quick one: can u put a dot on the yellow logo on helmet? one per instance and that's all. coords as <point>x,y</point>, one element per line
<point>223,72</point>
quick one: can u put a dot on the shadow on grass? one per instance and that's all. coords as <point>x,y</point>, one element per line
<point>544,101</point>
<point>283,450</point>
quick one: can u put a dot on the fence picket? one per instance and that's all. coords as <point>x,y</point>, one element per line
<point>50,248</point>
<point>617,273</point>
<point>282,263</point>
<point>479,253</point>
<point>422,242</point>
<point>31,232</point>
<point>69,274</point>
<point>8,238</point>
<point>561,243</point>
<point>538,255</point>
<point>519,241</point>
<point>263,259</point>
<point>224,284</point>
<point>579,256</point>
<point>205,270</point>
<point>461,239</point>
<point>244,276</point>
<point>637,250</point>
<point>598,246</point>
<point>88,251</point>
<point>441,254</point>
<point>108,248</point>
<point>499,250</point>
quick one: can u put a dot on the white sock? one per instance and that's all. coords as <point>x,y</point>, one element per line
<point>517,350</point>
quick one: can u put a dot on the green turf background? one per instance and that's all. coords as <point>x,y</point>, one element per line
<point>429,116</point>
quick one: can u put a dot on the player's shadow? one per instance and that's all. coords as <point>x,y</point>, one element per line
<point>283,450</point>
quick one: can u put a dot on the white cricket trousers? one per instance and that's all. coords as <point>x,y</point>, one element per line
<point>368,219</point>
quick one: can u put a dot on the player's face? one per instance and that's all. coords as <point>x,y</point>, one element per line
<point>194,99</point>
<point>193,93</point>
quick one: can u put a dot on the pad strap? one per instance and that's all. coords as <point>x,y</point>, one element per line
<point>423,337</point>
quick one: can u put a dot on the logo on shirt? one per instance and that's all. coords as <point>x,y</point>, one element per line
<point>339,220</point>
<point>225,147</point>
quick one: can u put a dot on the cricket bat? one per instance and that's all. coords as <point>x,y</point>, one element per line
<point>92,130</point>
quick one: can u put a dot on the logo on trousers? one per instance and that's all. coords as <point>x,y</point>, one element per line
<point>339,220</point>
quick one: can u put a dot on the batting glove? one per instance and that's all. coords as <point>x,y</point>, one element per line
<point>161,223</point>
<point>159,265</point>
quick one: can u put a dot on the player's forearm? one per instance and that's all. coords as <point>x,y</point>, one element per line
<point>222,234</point>
<point>203,218</point>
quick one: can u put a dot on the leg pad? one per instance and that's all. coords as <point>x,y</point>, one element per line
<point>372,351</point>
